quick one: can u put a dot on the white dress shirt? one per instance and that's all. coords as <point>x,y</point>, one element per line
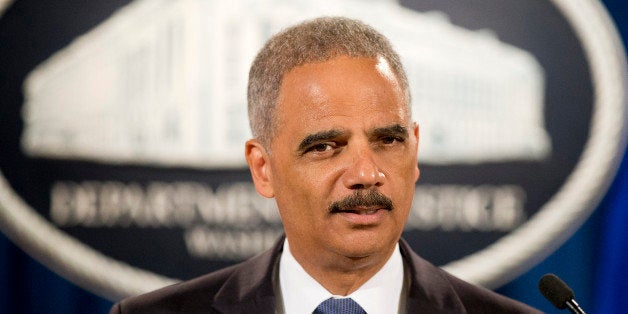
<point>302,294</point>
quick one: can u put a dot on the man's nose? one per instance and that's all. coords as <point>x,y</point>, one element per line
<point>363,171</point>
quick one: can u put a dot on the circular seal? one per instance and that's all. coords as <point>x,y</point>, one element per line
<point>123,125</point>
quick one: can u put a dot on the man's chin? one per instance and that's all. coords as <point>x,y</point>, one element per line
<point>360,246</point>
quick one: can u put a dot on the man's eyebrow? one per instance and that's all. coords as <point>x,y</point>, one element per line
<point>318,137</point>
<point>395,129</point>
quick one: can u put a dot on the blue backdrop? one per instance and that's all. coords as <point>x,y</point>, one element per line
<point>594,262</point>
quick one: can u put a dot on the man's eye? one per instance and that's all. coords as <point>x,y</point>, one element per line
<point>391,139</point>
<point>321,147</point>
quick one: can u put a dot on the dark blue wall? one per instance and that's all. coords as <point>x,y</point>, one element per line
<point>593,262</point>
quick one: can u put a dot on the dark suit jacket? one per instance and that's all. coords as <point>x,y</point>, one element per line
<point>248,288</point>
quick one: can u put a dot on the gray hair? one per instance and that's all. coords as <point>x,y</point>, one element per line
<point>316,40</point>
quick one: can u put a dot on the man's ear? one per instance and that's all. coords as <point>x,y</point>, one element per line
<point>257,158</point>
<point>415,130</point>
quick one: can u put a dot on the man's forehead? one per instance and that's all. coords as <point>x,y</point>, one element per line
<point>315,79</point>
<point>330,95</point>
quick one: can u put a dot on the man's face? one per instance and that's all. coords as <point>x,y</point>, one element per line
<point>344,159</point>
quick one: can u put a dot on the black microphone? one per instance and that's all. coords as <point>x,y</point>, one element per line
<point>558,293</point>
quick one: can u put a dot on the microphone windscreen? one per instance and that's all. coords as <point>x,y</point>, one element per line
<point>555,290</point>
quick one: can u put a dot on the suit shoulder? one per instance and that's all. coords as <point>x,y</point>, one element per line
<point>433,286</point>
<point>249,281</point>
<point>482,300</point>
<point>197,293</point>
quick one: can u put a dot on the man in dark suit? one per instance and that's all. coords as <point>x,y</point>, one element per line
<point>329,107</point>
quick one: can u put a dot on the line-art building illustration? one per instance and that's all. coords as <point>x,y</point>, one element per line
<point>164,83</point>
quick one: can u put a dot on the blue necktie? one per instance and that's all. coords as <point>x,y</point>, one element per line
<point>339,306</point>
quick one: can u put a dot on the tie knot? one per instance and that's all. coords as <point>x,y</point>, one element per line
<point>339,306</point>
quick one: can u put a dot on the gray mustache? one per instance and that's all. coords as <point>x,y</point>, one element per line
<point>370,198</point>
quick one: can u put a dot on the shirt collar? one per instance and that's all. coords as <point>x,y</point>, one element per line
<point>302,294</point>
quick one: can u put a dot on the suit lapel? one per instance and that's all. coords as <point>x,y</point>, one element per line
<point>429,290</point>
<point>250,288</point>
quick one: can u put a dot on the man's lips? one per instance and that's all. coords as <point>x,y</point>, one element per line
<point>361,210</point>
<point>363,216</point>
